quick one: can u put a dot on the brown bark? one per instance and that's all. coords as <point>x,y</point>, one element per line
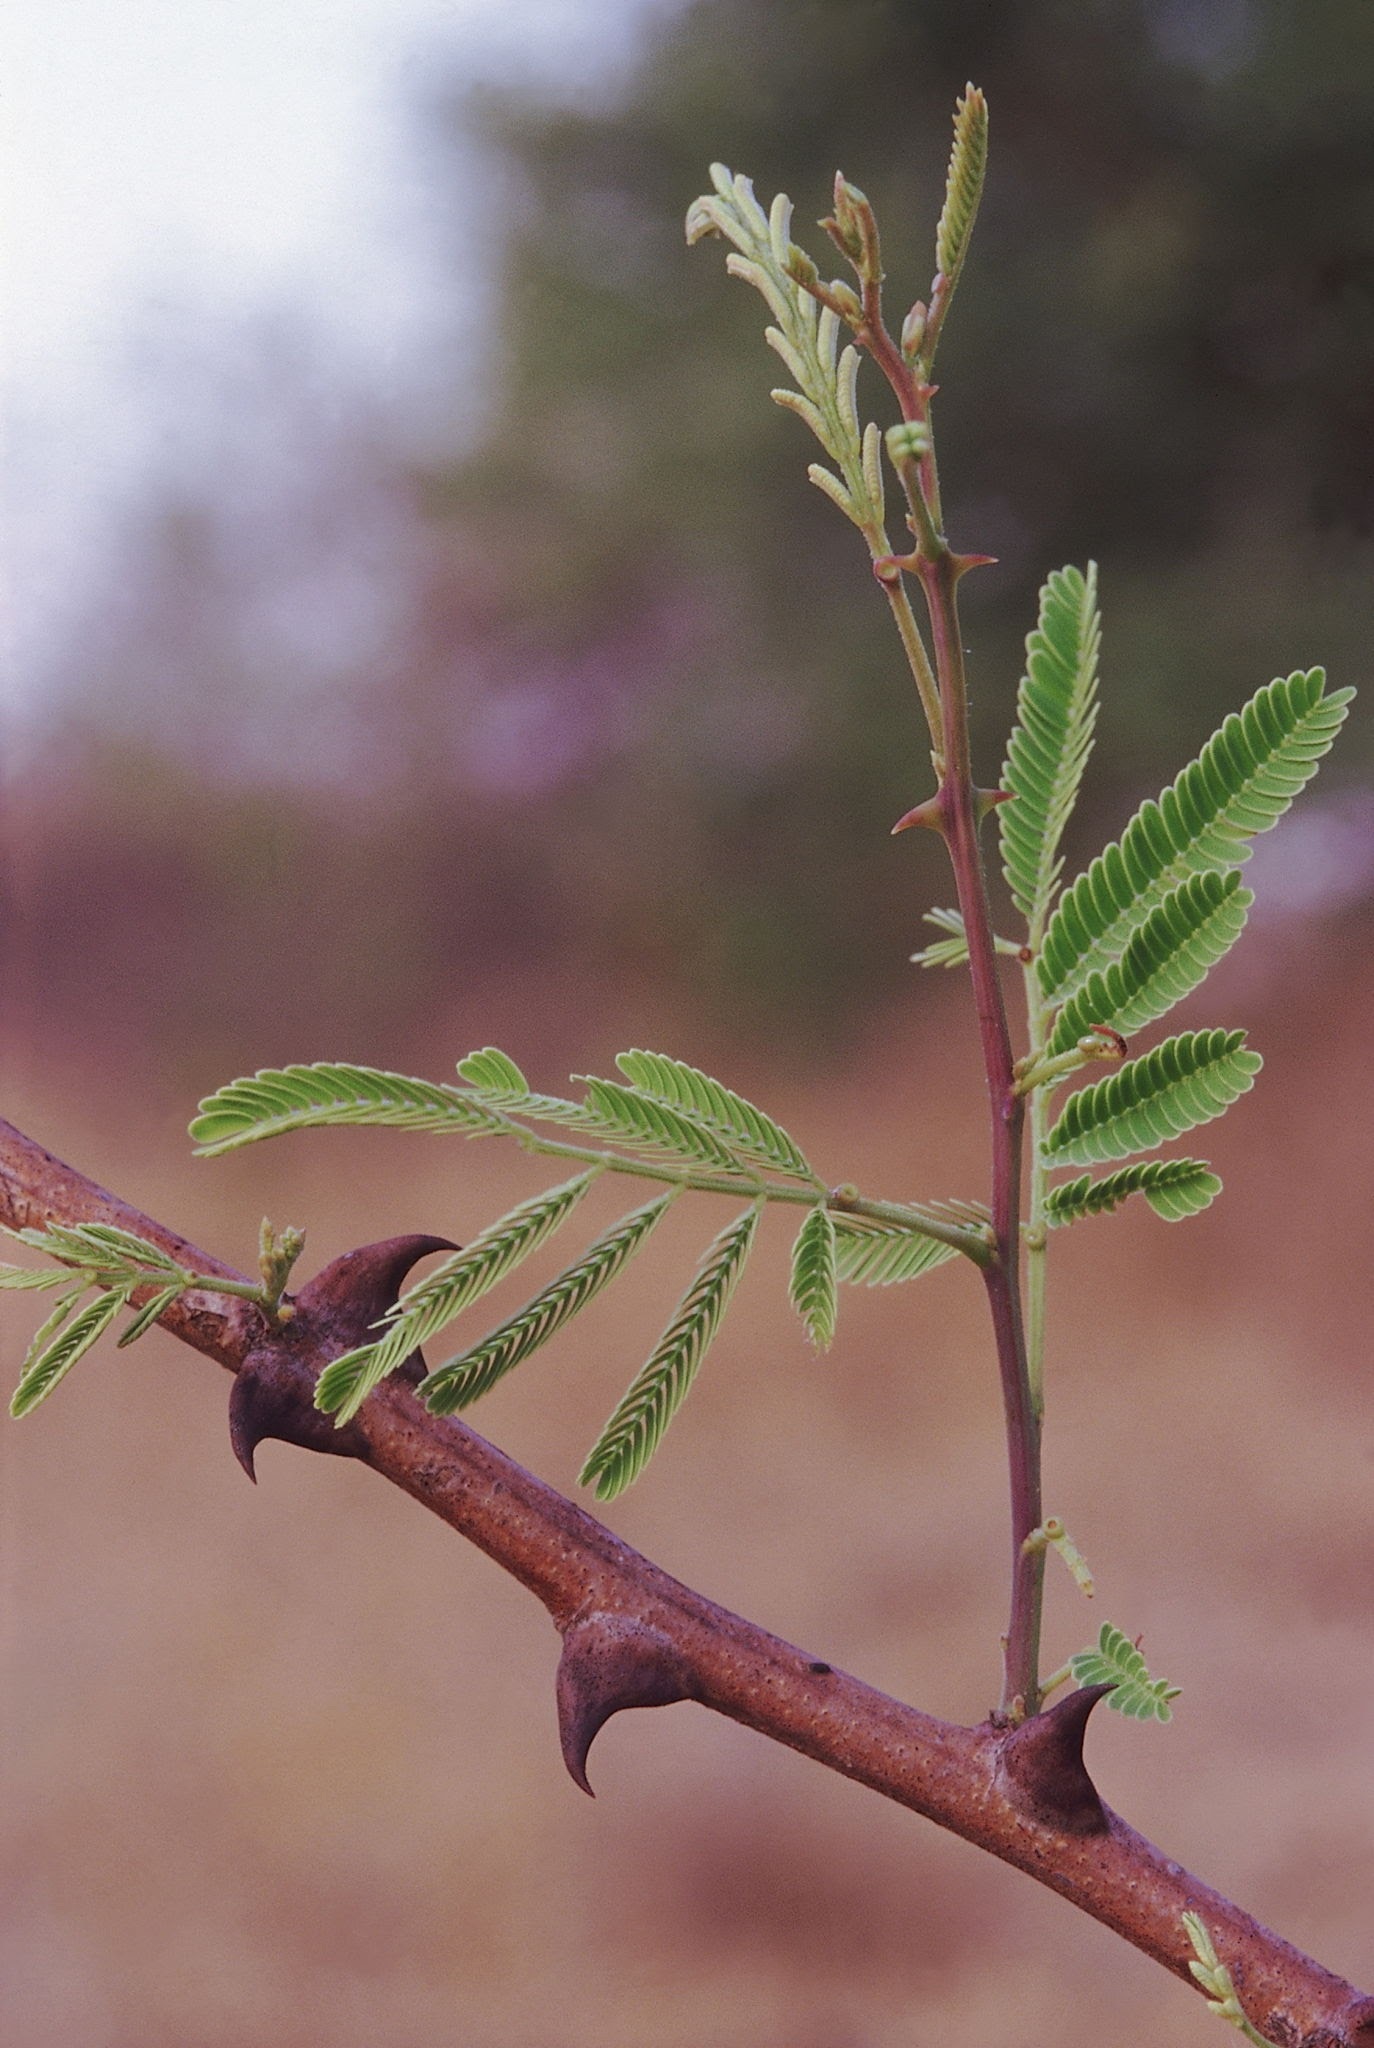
<point>634,1636</point>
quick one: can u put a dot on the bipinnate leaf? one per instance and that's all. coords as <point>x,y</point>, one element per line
<point>278,1099</point>
<point>1174,1188</point>
<point>1241,784</point>
<point>880,1254</point>
<point>744,1129</point>
<point>968,162</point>
<point>814,1293</point>
<point>1184,1082</point>
<point>435,1301</point>
<point>460,1381</point>
<point>1056,710</point>
<point>61,1343</point>
<point>658,1390</point>
<point>1172,952</point>
<point>1117,1662</point>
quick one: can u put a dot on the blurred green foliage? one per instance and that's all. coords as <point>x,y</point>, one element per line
<point>639,707</point>
<point>1161,357</point>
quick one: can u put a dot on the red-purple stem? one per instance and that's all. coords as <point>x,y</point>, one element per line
<point>957,801</point>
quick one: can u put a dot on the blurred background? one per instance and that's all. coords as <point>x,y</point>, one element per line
<point>423,635</point>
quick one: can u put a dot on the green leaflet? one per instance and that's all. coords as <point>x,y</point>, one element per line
<point>60,1344</point>
<point>492,1072</point>
<point>1175,948</point>
<point>1217,1983</point>
<point>149,1313</point>
<point>462,1380</point>
<point>949,952</point>
<point>968,162</point>
<point>1241,784</point>
<point>658,1390</point>
<point>1117,1662</point>
<point>434,1302</point>
<point>747,1132</point>
<point>1184,1082</point>
<point>102,1248</point>
<point>813,1291</point>
<point>498,1084</point>
<point>1174,1188</point>
<point>1056,710</point>
<point>649,1125</point>
<point>34,1276</point>
<point>879,1254</point>
<point>280,1099</point>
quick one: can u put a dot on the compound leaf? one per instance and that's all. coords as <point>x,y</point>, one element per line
<point>1174,1188</point>
<point>460,1381</point>
<point>1177,946</point>
<point>658,1390</point>
<point>1056,710</point>
<point>746,1130</point>
<point>1184,1082</point>
<point>1241,784</point>
<point>813,1286</point>
<point>1117,1662</point>
<point>296,1098</point>
<point>442,1295</point>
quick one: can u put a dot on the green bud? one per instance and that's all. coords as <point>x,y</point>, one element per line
<point>908,441</point>
<point>914,331</point>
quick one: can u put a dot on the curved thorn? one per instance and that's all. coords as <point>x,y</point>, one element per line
<point>273,1391</point>
<point>609,1662</point>
<point>1043,1763</point>
<point>351,1293</point>
<point>927,816</point>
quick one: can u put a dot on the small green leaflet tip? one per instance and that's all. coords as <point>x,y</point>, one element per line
<point>493,1072</point>
<point>1117,1661</point>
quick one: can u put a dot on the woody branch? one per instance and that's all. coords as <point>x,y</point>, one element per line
<point>635,1636</point>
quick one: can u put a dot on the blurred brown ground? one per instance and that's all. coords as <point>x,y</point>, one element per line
<point>281,1768</point>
